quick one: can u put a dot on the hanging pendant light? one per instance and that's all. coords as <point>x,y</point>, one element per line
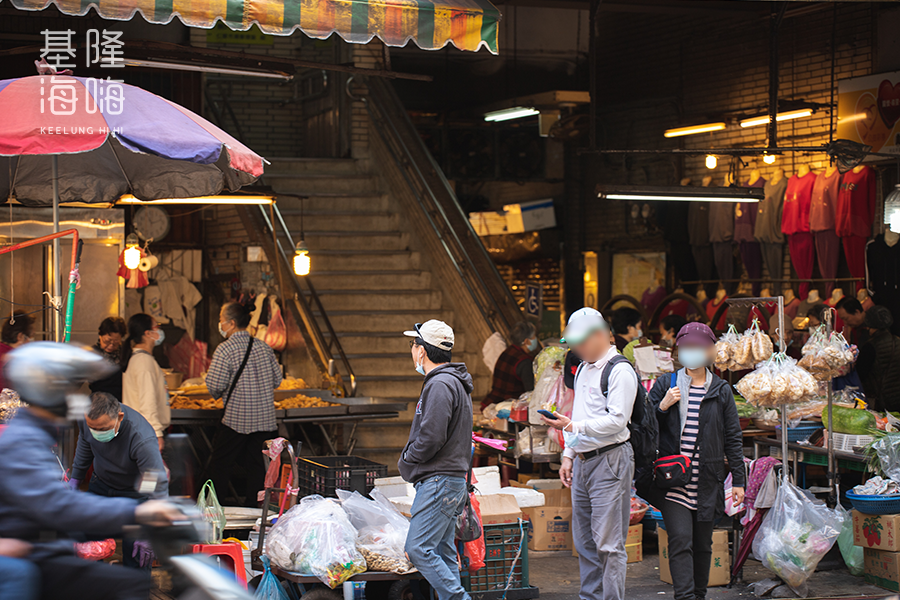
<point>711,161</point>
<point>302,262</point>
<point>132,251</point>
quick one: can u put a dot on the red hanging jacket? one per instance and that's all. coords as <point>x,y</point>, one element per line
<point>797,202</point>
<point>856,204</point>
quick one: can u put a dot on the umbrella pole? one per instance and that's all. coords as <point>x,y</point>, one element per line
<point>57,277</point>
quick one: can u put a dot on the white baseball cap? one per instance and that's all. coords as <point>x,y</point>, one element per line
<point>582,323</point>
<point>434,332</point>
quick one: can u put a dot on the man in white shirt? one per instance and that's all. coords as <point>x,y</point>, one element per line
<point>598,463</point>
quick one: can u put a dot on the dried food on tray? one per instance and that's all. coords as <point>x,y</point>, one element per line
<point>302,401</point>
<point>192,390</point>
<point>292,383</point>
<point>187,403</point>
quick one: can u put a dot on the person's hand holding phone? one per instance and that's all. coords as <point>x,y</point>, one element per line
<point>554,419</point>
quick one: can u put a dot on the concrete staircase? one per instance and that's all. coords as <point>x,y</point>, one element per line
<point>373,280</point>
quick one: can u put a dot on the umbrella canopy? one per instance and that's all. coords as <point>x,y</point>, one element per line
<point>111,139</point>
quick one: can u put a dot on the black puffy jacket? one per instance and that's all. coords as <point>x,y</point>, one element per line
<point>719,437</point>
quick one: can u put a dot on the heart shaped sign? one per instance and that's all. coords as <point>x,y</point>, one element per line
<point>889,102</point>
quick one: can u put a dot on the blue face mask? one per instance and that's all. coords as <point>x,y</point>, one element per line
<point>420,369</point>
<point>162,336</point>
<point>105,436</point>
<point>693,358</point>
<point>533,345</point>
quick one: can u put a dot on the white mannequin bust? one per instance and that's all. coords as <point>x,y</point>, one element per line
<point>891,238</point>
<point>836,295</point>
<point>803,170</point>
<point>788,295</point>
<point>777,175</point>
<point>754,176</point>
<point>813,297</point>
<point>701,295</point>
<point>720,295</point>
<point>707,181</point>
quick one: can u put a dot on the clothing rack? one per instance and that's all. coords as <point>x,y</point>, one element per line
<point>782,346</point>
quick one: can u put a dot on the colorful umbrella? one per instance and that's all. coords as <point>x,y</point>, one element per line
<point>110,139</point>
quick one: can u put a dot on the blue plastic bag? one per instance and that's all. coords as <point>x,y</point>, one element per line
<point>269,587</point>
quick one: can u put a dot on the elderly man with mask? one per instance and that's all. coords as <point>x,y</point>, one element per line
<point>123,448</point>
<point>598,462</point>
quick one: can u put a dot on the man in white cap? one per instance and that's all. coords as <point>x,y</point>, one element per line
<point>437,457</point>
<point>598,462</point>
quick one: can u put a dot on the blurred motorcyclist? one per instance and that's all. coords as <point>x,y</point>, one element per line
<point>36,506</point>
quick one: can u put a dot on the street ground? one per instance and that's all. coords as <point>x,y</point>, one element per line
<point>556,574</point>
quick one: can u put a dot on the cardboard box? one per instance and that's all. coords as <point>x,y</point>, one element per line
<point>550,526</point>
<point>634,544</point>
<point>530,216</point>
<point>881,532</point>
<point>498,508</point>
<point>882,568</point>
<point>720,562</point>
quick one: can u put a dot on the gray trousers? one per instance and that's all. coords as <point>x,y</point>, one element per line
<point>601,506</point>
<point>773,258</point>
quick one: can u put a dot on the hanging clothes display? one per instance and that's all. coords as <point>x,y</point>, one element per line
<point>821,224</point>
<point>744,225</point>
<point>883,273</point>
<point>711,307</point>
<point>768,227</point>
<point>179,298</point>
<point>698,232</point>
<point>721,236</point>
<point>795,224</point>
<point>672,218</point>
<point>854,215</point>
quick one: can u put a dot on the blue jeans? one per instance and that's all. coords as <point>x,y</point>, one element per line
<point>19,579</point>
<point>432,531</point>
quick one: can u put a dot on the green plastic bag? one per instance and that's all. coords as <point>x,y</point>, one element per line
<point>208,505</point>
<point>853,555</point>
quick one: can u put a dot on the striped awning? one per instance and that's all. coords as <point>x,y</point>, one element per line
<point>431,24</point>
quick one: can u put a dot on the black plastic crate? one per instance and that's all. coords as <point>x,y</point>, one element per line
<point>324,475</point>
<point>502,544</point>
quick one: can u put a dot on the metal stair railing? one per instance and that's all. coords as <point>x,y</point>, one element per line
<point>438,202</point>
<point>325,349</point>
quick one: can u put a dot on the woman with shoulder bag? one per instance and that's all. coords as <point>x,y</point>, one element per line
<point>698,428</point>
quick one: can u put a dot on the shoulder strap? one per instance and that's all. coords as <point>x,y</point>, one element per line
<point>673,382</point>
<point>237,375</point>
<point>604,378</point>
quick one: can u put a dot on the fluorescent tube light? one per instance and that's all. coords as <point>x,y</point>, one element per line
<point>154,64</point>
<point>235,199</point>
<point>694,129</point>
<point>507,114</point>
<point>784,116</point>
<point>679,193</point>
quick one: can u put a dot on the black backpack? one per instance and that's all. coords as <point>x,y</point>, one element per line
<point>644,429</point>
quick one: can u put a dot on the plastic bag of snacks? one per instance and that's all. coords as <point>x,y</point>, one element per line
<point>736,352</point>
<point>777,381</point>
<point>826,357</point>
<point>382,531</point>
<point>795,536</point>
<point>316,537</point>
<point>95,550</point>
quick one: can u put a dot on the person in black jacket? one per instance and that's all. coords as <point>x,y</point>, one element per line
<point>697,418</point>
<point>109,345</point>
<point>878,364</point>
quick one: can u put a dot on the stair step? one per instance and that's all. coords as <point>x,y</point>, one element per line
<point>354,240</point>
<point>363,342</point>
<point>391,388</point>
<point>311,165</point>
<point>355,260</point>
<point>373,280</point>
<point>335,201</point>
<point>301,184</point>
<point>390,365</point>
<point>374,322</point>
<point>380,299</point>
<point>345,221</point>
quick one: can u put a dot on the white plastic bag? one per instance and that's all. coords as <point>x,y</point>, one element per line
<point>316,537</point>
<point>795,534</point>
<point>382,531</point>
<point>492,349</point>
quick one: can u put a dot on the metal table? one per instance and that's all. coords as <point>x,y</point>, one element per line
<point>798,448</point>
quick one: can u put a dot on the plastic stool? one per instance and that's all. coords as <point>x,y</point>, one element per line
<point>232,554</point>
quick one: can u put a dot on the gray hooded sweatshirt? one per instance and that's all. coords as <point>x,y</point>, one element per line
<point>440,439</point>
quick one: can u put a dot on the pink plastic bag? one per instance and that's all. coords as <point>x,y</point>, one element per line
<point>565,398</point>
<point>276,334</point>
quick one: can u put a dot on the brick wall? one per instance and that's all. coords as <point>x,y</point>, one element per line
<point>662,71</point>
<point>225,238</point>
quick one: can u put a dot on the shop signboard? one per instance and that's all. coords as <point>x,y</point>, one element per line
<point>869,111</point>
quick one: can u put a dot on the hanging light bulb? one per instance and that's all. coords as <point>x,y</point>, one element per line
<point>132,252</point>
<point>711,161</point>
<point>892,209</point>
<point>301,259</point>
<point>769,159</point>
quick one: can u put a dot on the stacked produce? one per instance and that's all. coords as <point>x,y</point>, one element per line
<point>737,352</point>
<point>291,383</point>
<point>826,356</point>
<point>777,381</point>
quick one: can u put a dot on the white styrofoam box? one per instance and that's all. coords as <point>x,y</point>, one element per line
<point>525,497</point>
<point>487,478</point>
<point>395,487</point>
<point>403,504</point>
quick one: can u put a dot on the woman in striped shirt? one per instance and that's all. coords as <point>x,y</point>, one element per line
<point>698,419</point>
